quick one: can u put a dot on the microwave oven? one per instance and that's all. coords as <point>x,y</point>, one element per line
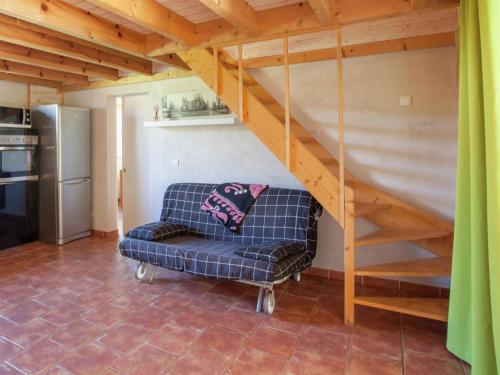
<point>15,117</point>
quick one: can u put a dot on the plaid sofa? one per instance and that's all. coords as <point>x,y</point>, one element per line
<point>207,249</point>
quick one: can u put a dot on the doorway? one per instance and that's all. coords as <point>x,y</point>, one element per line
<point>119,160</point>
<point>135,200</point>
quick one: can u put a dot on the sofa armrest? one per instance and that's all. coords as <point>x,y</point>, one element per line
<point>270,251</point>
<point>157,231</point>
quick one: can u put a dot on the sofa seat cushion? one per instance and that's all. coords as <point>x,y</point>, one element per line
<point>157,231</point>
<point>212,258</point>
<point>271,250</point>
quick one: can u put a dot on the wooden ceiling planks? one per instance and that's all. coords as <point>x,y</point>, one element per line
<point>237,12</point>
<point>404,26</point>
<point>88,7</point>
<point>193,10</point>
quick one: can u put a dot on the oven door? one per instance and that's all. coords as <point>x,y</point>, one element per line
<point>17,162</point>
<point>18,211</point>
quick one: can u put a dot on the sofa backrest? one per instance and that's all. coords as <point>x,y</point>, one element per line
<point>279,214</point>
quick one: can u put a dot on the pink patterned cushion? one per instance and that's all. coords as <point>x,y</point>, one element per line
<point>230,202</point>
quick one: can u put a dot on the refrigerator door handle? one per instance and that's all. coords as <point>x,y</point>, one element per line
<point>13,180</point>
<point>76,181</point>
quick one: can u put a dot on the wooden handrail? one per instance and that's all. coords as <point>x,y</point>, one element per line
<point>287,103</point>
<point>240,83</point>
<point>340,86</point>
<point>216,71</point>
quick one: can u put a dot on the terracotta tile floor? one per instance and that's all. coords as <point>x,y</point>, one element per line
<point>77,309</point>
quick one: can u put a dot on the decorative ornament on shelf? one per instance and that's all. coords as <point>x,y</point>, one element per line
<point>157,112</point>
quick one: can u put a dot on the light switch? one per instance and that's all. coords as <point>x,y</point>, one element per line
<point>405,100</point>
<point>176,162</point>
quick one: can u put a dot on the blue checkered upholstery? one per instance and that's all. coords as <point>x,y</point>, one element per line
<point>270,251</point>
<point>208,248</point>
<point>157,231</point>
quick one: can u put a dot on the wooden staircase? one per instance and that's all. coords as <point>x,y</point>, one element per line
<point>318,171</point>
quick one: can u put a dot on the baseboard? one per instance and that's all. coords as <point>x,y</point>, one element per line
<point>404,286</point>
<point>106,235</point>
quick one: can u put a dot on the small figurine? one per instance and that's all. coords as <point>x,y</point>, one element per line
<point>157,112</point>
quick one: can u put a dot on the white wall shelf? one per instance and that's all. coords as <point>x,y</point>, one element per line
<point>194,121</point>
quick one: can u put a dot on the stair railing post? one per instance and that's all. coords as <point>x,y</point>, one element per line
<point>216,71</point>
<point>349,257</point>
<point>287,104</point>
<point>340,86</point>
<point>241,109</point>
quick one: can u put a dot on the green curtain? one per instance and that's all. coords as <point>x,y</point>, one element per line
<point>474,317</point>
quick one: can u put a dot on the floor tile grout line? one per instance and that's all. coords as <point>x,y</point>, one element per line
<point>116,275</point>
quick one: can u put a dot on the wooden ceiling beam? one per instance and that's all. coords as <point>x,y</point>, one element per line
<point>68,19</point>
<point>323,10</point>
<point>172,60</point>
<point>237,12</point>
<point>43,59</point>
<point>36,72</point>
<point>25,34</point>
<point>29,80</point>
<point>131,80</point>
<point>355,50</point>
<point>153,16</point>
<point>291,20</point>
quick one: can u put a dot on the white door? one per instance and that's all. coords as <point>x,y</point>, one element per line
<point>135,161</point>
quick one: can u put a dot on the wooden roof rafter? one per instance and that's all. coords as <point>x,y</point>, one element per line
<point>25,34</point>
<point>65,18</point>
<point>30,56</point>
<point>30,80</point>
<point>155,17</point>
<point>37,72</point>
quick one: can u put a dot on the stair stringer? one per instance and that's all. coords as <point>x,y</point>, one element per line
<point>308,169</point>
<point>311,163</point>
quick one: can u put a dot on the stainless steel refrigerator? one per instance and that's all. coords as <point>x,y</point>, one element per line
<point>65,184</point>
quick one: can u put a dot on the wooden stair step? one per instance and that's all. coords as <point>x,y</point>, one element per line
<point>365,209</point>
<point>399,235</point>
<point>299,132</point>
<point>261,94</point>
<point>329,161</point>
<point>430,308</point>
<point>427,267</point>
<point>317,149</point>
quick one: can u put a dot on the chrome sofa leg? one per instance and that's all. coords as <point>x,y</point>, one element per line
<point>152,274</point>
<point>259,299</point>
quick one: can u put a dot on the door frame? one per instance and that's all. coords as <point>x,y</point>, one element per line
<point>111,159</point>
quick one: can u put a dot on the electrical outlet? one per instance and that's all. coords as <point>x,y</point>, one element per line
<point>405,100</point>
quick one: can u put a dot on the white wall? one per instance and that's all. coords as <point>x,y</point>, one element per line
<point>408,151</point>
<point>14,94</point>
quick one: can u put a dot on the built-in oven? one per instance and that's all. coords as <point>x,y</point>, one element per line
<point>15,117</point>
<point>18,186</point>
